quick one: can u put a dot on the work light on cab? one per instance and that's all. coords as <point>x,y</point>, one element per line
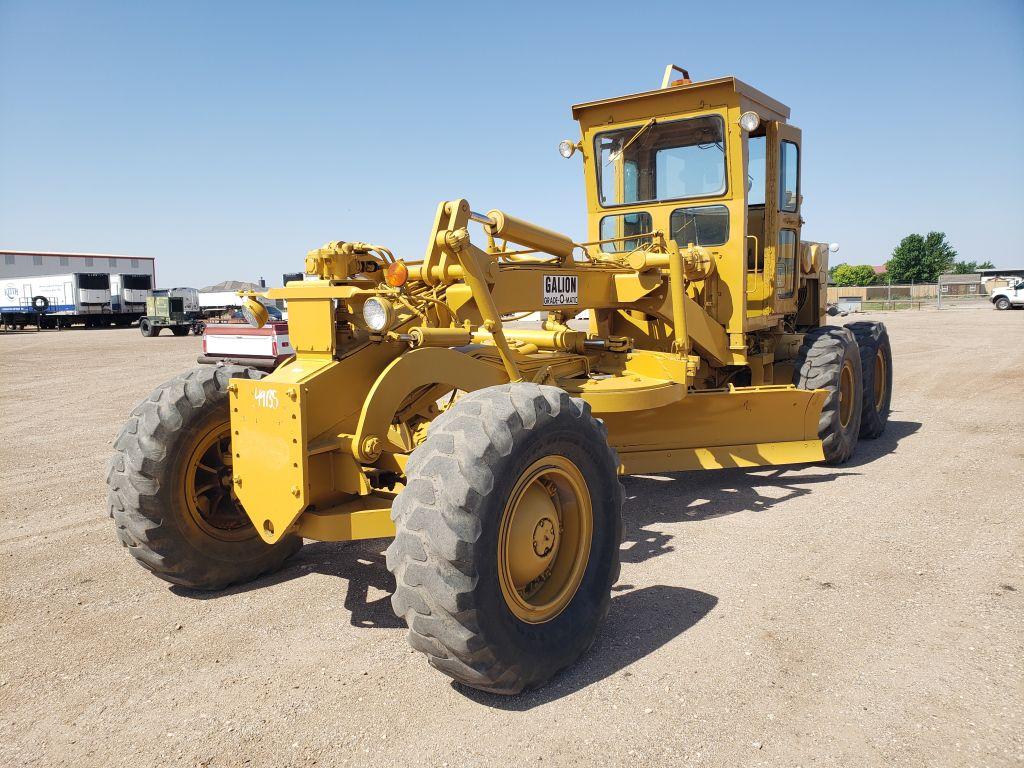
<point>749,121</point>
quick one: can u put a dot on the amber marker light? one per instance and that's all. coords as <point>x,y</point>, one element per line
<point>397,274</point>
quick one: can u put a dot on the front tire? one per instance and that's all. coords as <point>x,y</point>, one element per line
<point>146,328</point>
<point>1002,303</point>
<point>829,359</point>
<point>170,487</point>
<point>508,536</point>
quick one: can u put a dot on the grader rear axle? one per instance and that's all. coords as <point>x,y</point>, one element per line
<point>423,405</point>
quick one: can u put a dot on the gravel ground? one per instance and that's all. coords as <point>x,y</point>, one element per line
<point>868,614</point>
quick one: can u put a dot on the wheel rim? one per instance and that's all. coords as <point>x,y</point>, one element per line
<point>208,488</point>
<point>544,539</point>
<point>881,374</point>
<point>846,390</point>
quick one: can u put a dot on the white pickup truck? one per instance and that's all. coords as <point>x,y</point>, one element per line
<point>1010,296</point>
<point>240,343</point>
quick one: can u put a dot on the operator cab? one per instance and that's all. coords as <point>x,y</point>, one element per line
<point>713,164</point>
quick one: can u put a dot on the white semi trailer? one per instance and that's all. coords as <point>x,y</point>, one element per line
<point>128,293</point>
<point>59,301</point>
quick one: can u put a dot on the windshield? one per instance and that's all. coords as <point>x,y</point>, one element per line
<point>661,161</point>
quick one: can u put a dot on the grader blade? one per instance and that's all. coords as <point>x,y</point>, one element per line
<point>742,427</point>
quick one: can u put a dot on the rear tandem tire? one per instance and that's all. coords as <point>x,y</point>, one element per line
<point>829,359</point>
<point>169,487</point>
<point>179,330</point>
<point>508,536</point>
<point>876,369</point>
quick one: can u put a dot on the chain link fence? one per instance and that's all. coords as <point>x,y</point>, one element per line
<point>917,296</point>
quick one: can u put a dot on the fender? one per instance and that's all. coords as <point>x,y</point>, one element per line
<point>403,376</point>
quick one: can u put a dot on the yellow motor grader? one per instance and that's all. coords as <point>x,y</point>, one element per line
<point>478,405</point>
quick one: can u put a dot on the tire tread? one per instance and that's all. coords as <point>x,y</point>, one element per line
<point>138,469</point>
<point>431,555</point>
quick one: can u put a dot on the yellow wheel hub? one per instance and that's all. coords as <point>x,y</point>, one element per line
<point>881,374</point>
<point>207,487</point>
<point>846,390</point>
<point>544,539</point>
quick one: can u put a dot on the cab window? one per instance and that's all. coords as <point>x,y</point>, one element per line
<point>756,161</point>
<point>703,225</point>
<point>623,225</point>
<point>785,264</point>
<point>661,161</point>
<point>790,181</point>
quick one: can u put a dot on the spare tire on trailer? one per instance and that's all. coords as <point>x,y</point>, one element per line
<point>40,303</point>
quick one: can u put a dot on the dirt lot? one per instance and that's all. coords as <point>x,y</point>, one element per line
<point>869,614</point>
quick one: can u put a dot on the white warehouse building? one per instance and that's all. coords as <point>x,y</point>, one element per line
<point>40,263</point>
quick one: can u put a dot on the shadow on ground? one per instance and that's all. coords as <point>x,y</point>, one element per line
<point>639,623</point>
<point>702,495</point>
<point>360,563</point>
<point>870,450</point>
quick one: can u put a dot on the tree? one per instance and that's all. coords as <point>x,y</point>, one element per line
<point>970,267</point>
<point>920,259</point>
<point>851,274</point>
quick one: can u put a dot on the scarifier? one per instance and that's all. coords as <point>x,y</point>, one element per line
<point>687,332</point>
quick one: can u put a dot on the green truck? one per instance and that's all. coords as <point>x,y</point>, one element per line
<point>170,311</point>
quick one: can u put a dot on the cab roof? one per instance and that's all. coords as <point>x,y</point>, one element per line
<point>768,107</point>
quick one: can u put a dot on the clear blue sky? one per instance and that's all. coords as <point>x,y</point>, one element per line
<point>228,138</point>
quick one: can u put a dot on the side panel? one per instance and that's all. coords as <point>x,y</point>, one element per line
<point>269,435</point>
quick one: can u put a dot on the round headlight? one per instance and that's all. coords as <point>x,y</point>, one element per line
<point>255,314</point>
<point>377,314</point>
<point>566,148</point>
<point>749,121</point>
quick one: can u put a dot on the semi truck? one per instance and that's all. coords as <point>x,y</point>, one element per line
<point>60,301</point>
